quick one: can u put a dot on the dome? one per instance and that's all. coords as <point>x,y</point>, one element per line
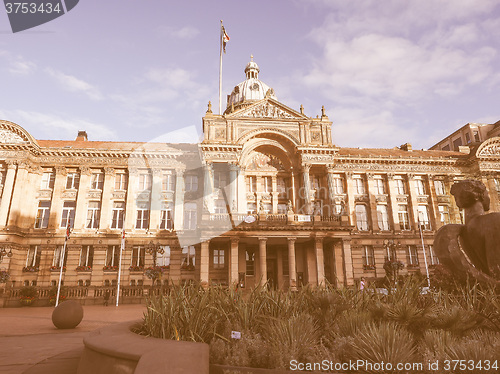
<point>250,90</point>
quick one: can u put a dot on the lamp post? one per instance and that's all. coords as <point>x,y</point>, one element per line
<point>153,249</point>
<point>392,265</point>
<point>3,253</point>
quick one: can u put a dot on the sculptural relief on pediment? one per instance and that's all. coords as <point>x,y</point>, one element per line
<point>9,137</point>
<point>265,162</point>
<point>266,110</point>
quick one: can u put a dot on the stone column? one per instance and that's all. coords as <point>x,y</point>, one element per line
<point>320,261</point>
<point>393,198</point>
<point>331,184</point>
<point>19,193</point>
<point>274,194</point>
<point>351,200</point>
<point>106,200</point>
<point>348,268</point>
<point>208,187</point>
<point>432,204</point>
<point>233,265</point>
<point>29,205</point>
<point>307,188</point>
<point>179,200</point>
<point>293,197</point>
<point>414,202</point>
<point>292,271</point>
<point>130,211</point>
<point>372,207</point>
<point>57,200</point>
<point>155,200</point>
<point>81,199</point>
<point>242,193</point>
<point>233,188</point>
<point>263,260</point>
<point>204,263</point>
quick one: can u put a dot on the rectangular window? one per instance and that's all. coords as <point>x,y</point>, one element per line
<point>142,221</point>
<point>166,216</point>
<point>457,143</point>
<point>434,260</point>
<point>281,186</point>
<point>121,181</point>
<point>361,218</point>
<point>34,256</point>
<point>282,208</point>
<point>400,185</point>
<point>113,256</point>
<point>251,208</point>
<point>72,181</point>
<point>252,184</point>
<point>93,215</point>
<point>411,255</point>
<point>57,259</point>
<point>163,259</point>
<point>359,185</point>
<point>47,180</point>
<point>68,214</point>
<point>118,215</point>
<point>138,256</point>
<point>338,184</point>
<point>423,217</point>
<point>190,216</point>
<point>220,206</point>
<point>268,184</point>
<point>379,186</point>
<point>383,217</point>
<point>368,256</point>
<point>250,262</point>
<point>43,214</point>
<point>404,217</point>
<point>444,214</point>
<point>86,256</point>
<point>476,136</point>
<point>220,179</point>
<point>467,138</point>
<point>97,181</point>
<point>168,182</point>
<point>144,182</point>
<point>191,183</point>
<point>315,182</point>
<point>439,186</point>
<point>419,186</point>
<point>218,257</point>
<point>188,257</point>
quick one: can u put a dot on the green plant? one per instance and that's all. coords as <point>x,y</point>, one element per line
<point>28,292</point>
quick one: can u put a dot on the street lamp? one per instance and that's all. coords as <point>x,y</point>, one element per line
<point>392,265</point>
<point>3,252</point>
<point>154,249</point>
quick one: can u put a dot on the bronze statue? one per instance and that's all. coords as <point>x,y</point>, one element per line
<point>475,246</point>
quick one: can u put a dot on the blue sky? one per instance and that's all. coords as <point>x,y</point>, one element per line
<point>387,71</point>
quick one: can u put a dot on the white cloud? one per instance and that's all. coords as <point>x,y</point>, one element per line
<point>73,84</point>
<point>184,33</point>
<point>187,134</point>
<point>17,65</point>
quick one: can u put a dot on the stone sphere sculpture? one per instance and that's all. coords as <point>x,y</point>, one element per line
<point>67,315</point>
<point>475,246</point>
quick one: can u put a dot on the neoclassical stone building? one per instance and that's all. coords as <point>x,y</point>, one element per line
<point>266,196</point>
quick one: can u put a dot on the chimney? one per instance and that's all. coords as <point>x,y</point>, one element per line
<point>406,147</point>
<point>82,136</point>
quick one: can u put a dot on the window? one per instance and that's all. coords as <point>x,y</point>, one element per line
<point>118,215</point>
<point>191,183</point>
<point>47,180</point>
<point>404,217</point>
<point>338,208</point>
<point>446,148</point>
<point>457,143</point>
<point>433,258</point>
<point>419,186</point>
<point>163,259</point>
<point>250,262</point>
<point>43,214</point>
<point>142,222</point>
<point>72,181</point>
<point>444,214</point>
<point>383,218</point>
<point>281,186</point>
<point>220,180</point>
<point>368,256</point>
<point>251,208</point>
<point>121,181</point>
<point>93,215</point>
<point>167,182</point>
<point>188,256</point>
<point>282,208</point>
<point>315,182</point>
<point>86,256</point>
<point>190,216</point>
<point>400,185</point>
<point>411,255</point>
<point>268,184</point>
<point>166,216</point>
<point>338,184</point>
<point>497,184</point>
<point>266,208</point>
<point>113,255</point>
<point>97,181</point>
<point>379,185</point>
<point>391,254</point>
<point>68,214</point>
<point>476,136</point>
<point>57,259</point>
<point>252,184</point>
<point>361,218</point>
<point>359,185</point>
<point>439,186</point>
<point>467,138</point>
<point>34,255</point>
<point>423,217</point>
<point>144,182</point>
<point>218,256</point>
<point>138,256</point>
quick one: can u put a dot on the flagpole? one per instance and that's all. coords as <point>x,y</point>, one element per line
<point>120,267</point>
<point>220,67</point>
<point>425,256</point>
<point>61,262</point>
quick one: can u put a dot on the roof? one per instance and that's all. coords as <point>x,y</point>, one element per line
<point>116,146</point>
<point>396,152</point>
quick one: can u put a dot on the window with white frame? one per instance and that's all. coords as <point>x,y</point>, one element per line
<point>338,208</point>
<point>361,218</point>
<point>282,208</point>
<point>163,259</point>
<point>383,217</point>
<point>48,178</point>
<point>142,221</point>
<point>439,186</point>
<point>58,256</point>
<point>434,260</point>
<point>391,253</point>
<point>93,215</point>
<point>423,217</point>
<point>338,184</point>
<point>444,214</point>
<point>315,182</point>
<point>220,179</point>
<point>281,186</point>
<point>168,182</point>
<point>220,206</point>
<point>97,181</point>
<point>379,185</point>
<point>400,185</point>
<point>252,184</point>
<point>43,214</point>
<point>190,216</point>
<point>218,258</point>
<point>121,181</point>
<point>118,215</point>
<point>250,262</point>
<point>68,214</point>
<point>188,256</point>
<point>72,181</point>
<point>419,186</point>
<point>167,216</point>
<point>368,256</point>
<point>411,255</point>
<point>251,208</point>
<point>138,256</point>
<point>268,184</point>
<point>86,256</point>
<point>404,217</point>
<point>359,185</point>
<point>191,182</point>
<point>34,256</point>
<point>113,256</point>
<point>144,182</point>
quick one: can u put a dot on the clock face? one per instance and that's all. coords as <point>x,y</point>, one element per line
<point>249,219</point>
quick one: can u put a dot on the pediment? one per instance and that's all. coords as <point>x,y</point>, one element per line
<point>267,108</point>
<point>490,148</point>
<point>9,137</point>
<point>11,133</point>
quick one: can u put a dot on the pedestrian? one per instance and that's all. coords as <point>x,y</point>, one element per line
<point>362,283</point>
<point>106,297</point>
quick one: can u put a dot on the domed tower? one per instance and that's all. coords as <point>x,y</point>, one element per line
<point>251,90</point>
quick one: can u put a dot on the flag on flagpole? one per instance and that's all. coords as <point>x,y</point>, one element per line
<point>68,229</point>
<point>225,38</point>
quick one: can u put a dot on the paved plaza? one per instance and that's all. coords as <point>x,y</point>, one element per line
<point>30,343</point>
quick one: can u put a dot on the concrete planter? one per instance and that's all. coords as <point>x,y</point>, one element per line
<point>117,350</point>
